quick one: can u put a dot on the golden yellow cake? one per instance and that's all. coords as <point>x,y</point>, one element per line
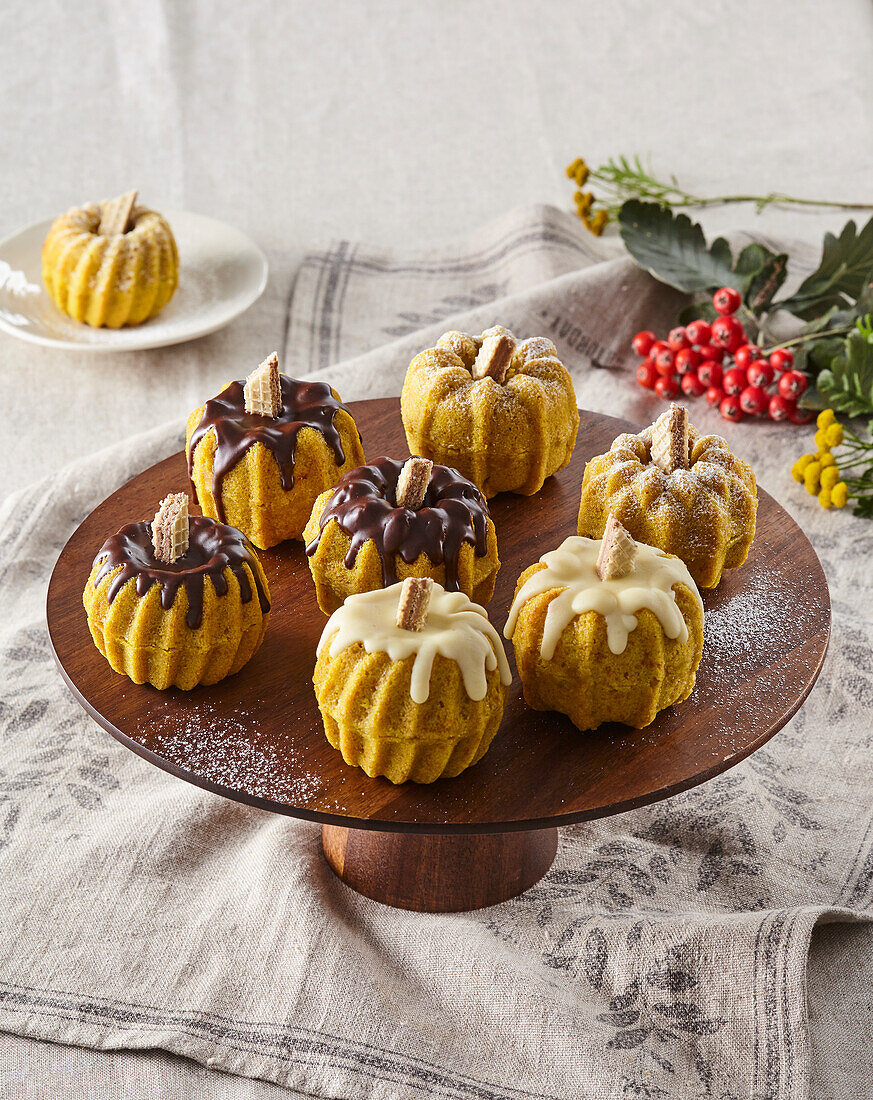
<point>259,460</point>
<point>110,279</point>
<point>678,490</point>
<point>411,681</point>
<point>501,412</point>
<point>616,647</point>
<point>394,519</point>
<point>180,610</point>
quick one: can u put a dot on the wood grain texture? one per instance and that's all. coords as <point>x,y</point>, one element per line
<point>439,874</point>
<point>257,736</point>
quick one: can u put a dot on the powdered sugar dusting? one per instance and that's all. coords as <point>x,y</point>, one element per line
<point>741,677</point>
<point>223,745</point>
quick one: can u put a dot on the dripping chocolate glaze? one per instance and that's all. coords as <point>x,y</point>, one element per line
<point>363,504</point>
<point>212,548</point>
<point>304,405</point>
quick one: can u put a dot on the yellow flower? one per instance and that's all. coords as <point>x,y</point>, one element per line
<point>834,435</point>
<point>598,223</point>
<point>811,476</point>
<point>839,494</point>
<point>584,199</point>
<point>830,475</point>
<point>827,459</point>
<point>821,441</point>
<point>799,467</point>
<point>825,418</point>
<point>824,498</point>
<point>578,171</point>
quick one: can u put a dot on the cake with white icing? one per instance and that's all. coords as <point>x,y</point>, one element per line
<point>411,681</point>
<point>606,630</point>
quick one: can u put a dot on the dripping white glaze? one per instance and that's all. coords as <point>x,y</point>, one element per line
<point>456,628</point>
<point>572,568</point>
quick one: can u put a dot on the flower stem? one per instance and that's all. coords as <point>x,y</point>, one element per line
<point>762,201</point>
<point>629,178</point>
<point>808,337</point>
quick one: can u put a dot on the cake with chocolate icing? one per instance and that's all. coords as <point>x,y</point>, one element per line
<point>177,602</point>
<point>676,489</point>
<point>411,681</point>
<point>501,411</point>
<point>111,263</point>
<point>606,630</point>
<point>395,519</point>
<point>263,450</point>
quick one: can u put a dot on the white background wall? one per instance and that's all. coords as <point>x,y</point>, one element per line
<point>398,122</point>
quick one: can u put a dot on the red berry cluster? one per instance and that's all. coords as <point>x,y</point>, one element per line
<point>717,361</point>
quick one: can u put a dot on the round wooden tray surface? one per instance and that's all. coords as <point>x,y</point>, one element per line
<point>257,737</point>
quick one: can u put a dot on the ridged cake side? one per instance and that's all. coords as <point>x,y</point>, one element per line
<point>705,514</point>
<point>587,681</point>
<point>371,718</point>
<point>151,645</point>
<point>110,281</point>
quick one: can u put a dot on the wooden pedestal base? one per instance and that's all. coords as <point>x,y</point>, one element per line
<point>439,873</point>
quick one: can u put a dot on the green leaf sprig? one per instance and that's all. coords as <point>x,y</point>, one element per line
<point>830,301</point>
<point>837,283</point>
<point>847,385</point>
<point>833,306</point>
<point>624,178</point>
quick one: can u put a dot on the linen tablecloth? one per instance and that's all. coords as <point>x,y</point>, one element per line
<point>666,954</point>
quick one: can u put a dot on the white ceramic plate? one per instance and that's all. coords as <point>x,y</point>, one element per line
<point>221,273</point>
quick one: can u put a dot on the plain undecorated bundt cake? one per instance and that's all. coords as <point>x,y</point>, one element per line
<point>501,412</point>
<point>673,488</point>
<point>110,279</point>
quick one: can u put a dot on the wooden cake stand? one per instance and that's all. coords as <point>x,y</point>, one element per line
<point>491,833</point>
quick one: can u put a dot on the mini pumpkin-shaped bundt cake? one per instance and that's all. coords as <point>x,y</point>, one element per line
<point>606,630</point>
<point>261,452</point>
<point>503,413</point>
<point>177,602</point>
<point>390,520</point>
<point>110,264</point>
<point>411,681</point>
<point>678,490</point>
